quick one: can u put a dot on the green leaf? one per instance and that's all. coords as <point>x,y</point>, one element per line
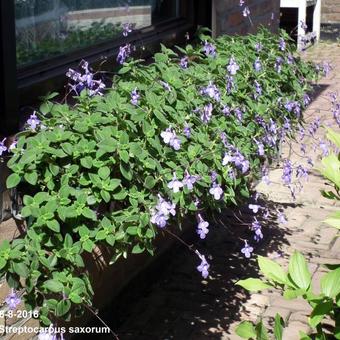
<point>319,313</point>
<point>88,245</point>
<point>272,270</point>
<point>124,156</point>
<point>253,285</point>
<point>132,230</point>
<point>137,249</point>
<point>105,195</point>
<point>261,332</point>
<point>330,283</point>
<point>278,327</point>
<point>126,171</point>
<point>298,271</point>
<point>63,307</point>
<point>333,220</point>
<point>31,177</point>
<point>21,269</point>
<point>53,225</point>
<point>149,182</point>
<point>12,181</point>
<point>90,214</point>
<point>331,169</point>
<point>104,172</point>
<point>3,262</point>
<point>53,286</point>
<point>246,330</point>
<point>333,137</point>
<point>86,162</point>
<point>75,298</point>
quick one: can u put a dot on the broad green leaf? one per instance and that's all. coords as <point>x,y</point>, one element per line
<point>278,327</point>
<point>253,285</point>
<point>272,270</point>
<point>31,177</point>
<point>333,137</point>
<point>149,182</point>
<point>333,220</point>
<point>330,283</point>
<point>12,181</point>
<point>298,271</point>
<point>246,330</point>
<point>53,286</point>
<point>63,307</point>
<point>104,172</point>
<point>21,269</point>
<point>3,263</point>
<point>261,332</point>
<point>331,169</point>
<point>319,313</point>
<point>137,249</point>
<point>54,225</point>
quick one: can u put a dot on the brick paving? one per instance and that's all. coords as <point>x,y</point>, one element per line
<point>179,305</point>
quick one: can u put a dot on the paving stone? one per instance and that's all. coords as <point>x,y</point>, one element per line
<point>273,310</point>
<point>300,317</point>
<point>296,304</point>
<point>293,330</point>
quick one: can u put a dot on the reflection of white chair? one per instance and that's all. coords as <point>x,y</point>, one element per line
<point>302,5</point>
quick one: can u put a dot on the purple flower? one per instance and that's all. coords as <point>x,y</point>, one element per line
<point>209,49</point>
<point>162,211</point>
<point>170,138</point>
<point>232,67</point>
<point>230,84</point>
<point>247,250</point>
<point>213,176</point>
<point>135,97</point>
<point>254,208</point>
<point>303,148</point>
<point>84,80</point>
<point>189,180</point>
<point>216,191</point>
<point>239,114</point>
<point>33,121</point>
<point>175,184</point>
<point>258,89</point>
<point>184,62</point>
<point>3,147</point>
<point>301,172</point>
<point>187,130</point>
<point>281,217</point>
<point>246,11</point>
<point>290,59</point>
<point>303,25</point>
<point>278,64</point>
<point>282,44</point>
<point>306,99</point>
<point>13,146</point>
<point>12,300</point>
<point>237,158</point>
<point>256,227</point>
<point>207,113</point>
<point>287,172</point>
<point>258,47</point>
<point>124,53</point>
<point>324,148</point>
<point>166,86</point>
<point>211,91</point>
<point>257,65</point>
<point>301,133</point>
<point>310,162</point>
<point>202,227</point>
<point>241,3</point>
<point>265,175</point>
<point>127,28</point>
<point>203,268</point>
<point>226,110</point>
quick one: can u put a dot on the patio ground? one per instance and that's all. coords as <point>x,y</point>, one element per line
<point>172,302</point>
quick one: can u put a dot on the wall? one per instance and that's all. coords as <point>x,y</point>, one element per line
<point>330,12</point>
<point>228,17</point>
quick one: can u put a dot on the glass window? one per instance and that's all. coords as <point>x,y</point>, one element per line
<point>48,28</point>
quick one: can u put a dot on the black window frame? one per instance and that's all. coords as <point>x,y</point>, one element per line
<point>22,87</point>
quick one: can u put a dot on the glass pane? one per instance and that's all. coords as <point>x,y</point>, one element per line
<point>47,28</point>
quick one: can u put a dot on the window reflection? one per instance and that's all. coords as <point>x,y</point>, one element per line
<point>47,28</point>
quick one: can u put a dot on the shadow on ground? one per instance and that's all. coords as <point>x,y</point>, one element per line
<point>171,301</point>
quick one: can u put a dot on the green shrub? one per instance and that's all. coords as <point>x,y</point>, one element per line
<point>98,171</point>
